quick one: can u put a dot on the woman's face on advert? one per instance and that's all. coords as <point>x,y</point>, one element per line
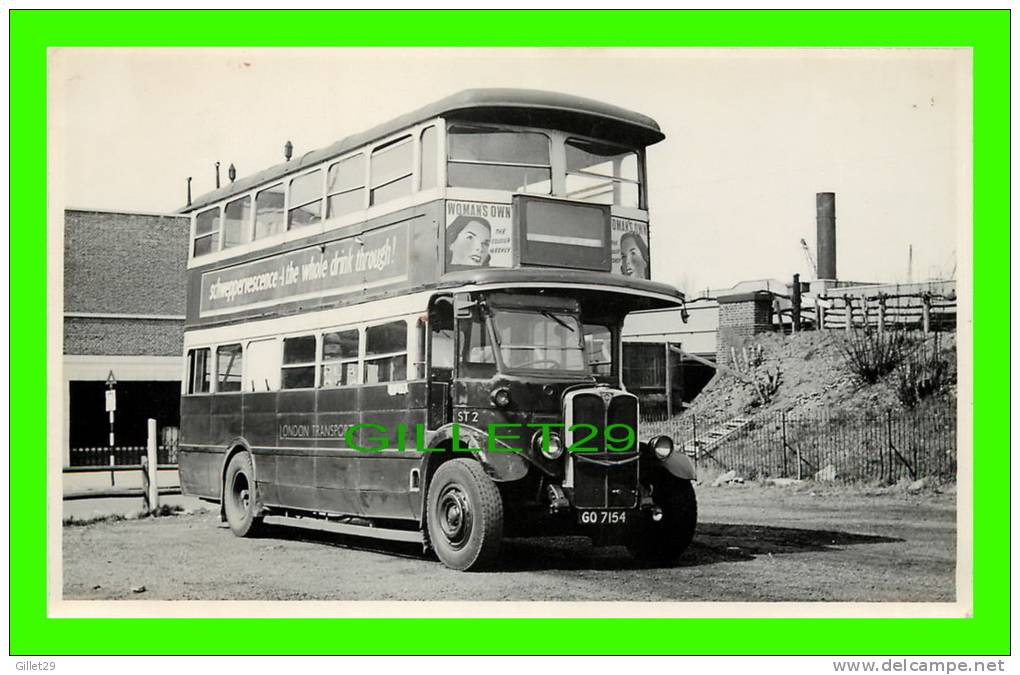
<point>471,247</point>
<point>633,262</point>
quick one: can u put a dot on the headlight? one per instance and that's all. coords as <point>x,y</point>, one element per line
<point>501,397</point>
<point>662,446</point>
<point>551,451</point>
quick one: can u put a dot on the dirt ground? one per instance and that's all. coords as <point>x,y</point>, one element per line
<point>753,544</point>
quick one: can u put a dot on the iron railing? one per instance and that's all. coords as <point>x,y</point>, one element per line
<point>848,446</point>
<point>122,456</point>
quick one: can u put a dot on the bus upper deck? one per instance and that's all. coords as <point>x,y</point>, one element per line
<point>494,178</point>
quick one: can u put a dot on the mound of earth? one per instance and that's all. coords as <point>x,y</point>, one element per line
<point>815,376</point>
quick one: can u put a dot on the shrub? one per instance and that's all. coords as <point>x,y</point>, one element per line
<point>757,374</point>
<point>923,373</point>
<point>871,355</point>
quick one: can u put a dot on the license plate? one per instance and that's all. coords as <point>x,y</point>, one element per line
<point>602,517</point>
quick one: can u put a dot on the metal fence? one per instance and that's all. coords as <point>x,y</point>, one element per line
<point>122,456</point>
<point>886,446</point>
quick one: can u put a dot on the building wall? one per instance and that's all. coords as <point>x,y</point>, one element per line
<point>123,337</point>
<point>124,263</point>
<point>124,299</point>
<point>741,318</point>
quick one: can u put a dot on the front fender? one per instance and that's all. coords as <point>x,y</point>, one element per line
<point>501,467</point>
<point>680,465</point>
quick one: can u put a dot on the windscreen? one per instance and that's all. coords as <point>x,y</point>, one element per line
<point>539,340</point>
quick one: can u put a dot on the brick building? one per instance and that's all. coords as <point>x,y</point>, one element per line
<point>742,316</point>
<point>124,291</point>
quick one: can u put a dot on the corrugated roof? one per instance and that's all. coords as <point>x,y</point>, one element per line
<point>526,107</point>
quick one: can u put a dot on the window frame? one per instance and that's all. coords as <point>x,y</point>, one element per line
<point>551,142</point>
<point>247,229</point>
<point>281,183</point>
<point>210,375</point>
<point>614,359</point>
<point>246,373</point>
<point>611,181</point>
<point>323,362</point>
<point>366,359</point>
<point>406,137</point>
<point>215,235</point>
<point>361,152</point>
<point>216,369</point>
<point>439,148</point>
<point>291,206</point>
<point>314,363</point>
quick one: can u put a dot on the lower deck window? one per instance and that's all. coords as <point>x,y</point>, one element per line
<point>340,358</point>
<point>228,368</point>
<point>198,371</point>
<point>386,353</point>
<point>298,370</point>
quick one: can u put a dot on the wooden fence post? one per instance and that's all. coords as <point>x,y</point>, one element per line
<point>926,313</point>
<point>881,313</point>
<point>819,314</point>
<point>848,312</point>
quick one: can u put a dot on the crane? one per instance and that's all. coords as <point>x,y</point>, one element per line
<point>810,258</point>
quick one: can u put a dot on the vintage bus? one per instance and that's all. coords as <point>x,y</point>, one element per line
<point>414,334</point>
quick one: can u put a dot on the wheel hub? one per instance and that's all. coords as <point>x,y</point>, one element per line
<point>454,516</point>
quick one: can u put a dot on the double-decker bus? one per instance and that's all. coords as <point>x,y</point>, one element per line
<point>414,334</point>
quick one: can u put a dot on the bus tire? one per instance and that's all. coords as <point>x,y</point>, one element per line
<point>662,542</point>
<point>464,516</point>
<point>240,500</point>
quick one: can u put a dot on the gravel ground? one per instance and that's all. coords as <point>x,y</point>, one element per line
<point>753,544</point>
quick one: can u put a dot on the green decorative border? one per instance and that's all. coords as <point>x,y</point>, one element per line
<point>32,32</point>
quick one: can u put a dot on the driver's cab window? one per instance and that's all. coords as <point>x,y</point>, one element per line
<point>598,349</point>
<point>441,340</point>
<point>477,358</point>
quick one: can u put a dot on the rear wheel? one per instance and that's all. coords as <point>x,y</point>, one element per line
<point>239,497</point>
<point>663,541</point>
<point>465,516</point>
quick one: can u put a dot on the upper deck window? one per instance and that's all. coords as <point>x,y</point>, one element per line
<point>498,159</point>
<point>391,170</point>
<point>345,186</point>
<point>207,231</point>
<point>602,173</point>
<point>305,200</point>
<point>429,154</point>
<point>269,211</point>
<point>237,222</point>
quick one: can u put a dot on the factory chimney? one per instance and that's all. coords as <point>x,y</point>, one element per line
<point>825,206</point>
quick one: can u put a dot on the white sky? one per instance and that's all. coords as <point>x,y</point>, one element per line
<point>751,136</point>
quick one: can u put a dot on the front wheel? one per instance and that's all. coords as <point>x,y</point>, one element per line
<point>465,516</point>
<point>239,497</point>
<point>663,541</point>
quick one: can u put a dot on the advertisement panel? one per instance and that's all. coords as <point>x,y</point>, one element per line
<point>347,265</point>
<point>630,248</point>
<point>478,234</point>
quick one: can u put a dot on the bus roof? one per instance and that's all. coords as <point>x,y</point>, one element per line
<point>653,293</point>
<point>525,107</point>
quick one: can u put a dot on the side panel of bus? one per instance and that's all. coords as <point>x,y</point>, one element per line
<point>302,469</point>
